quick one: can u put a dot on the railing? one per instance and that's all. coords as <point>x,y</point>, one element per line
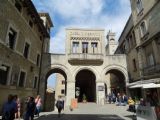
<point>151,69</point>
<point>85,56</point>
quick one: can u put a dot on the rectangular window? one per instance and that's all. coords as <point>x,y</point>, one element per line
<point>134,65</point>
<point>143,29</point>
<point>12,34</point>
<point>62,91</point>
<point>35,82</point>
<point>38,59</point>
<point>150,60</point>
<point>94,46</point>
<point>18,6</point>
<point>63,82</point>
<point>22,79</point>
<point>4,70</point>
<point>75,47</point>
<point>26,50</point>
<point>84,47</point>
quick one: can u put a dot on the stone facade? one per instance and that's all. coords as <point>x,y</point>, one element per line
<point>22,36</point>
<point>140,41</point>
<point>86,57</point>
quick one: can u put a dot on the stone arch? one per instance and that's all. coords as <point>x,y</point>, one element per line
<point>92,69</point>
<point>117,73</point>
<point>117,67</point>
<point>85,84</point>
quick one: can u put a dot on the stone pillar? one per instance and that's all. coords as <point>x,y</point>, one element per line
<point>80,47</point>
<point>100,90</point>
<point>70,92</point>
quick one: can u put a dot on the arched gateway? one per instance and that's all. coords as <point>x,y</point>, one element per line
<point>87,66</point>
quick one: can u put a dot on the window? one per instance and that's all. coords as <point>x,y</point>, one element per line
<point>35,82</point>
<point>62,91</point>
<point>11,38</point>
<point>4,70</point>
<point>63,82</point>
<point>94,46</point>
<point>143,28</point>
<point>150,60</point>
<point>139,5</point>
<point>85,47</point>
<point>26,50</point>
<point>38,59</point>
<point>22,79</point>
<point>31,24</point>
<point>134,65</point>
<point>18,6</point>
<point>75,47</point>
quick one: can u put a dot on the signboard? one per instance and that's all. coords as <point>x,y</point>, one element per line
<point>100,88</point>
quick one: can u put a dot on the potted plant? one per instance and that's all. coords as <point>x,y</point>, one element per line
<point>84,98</point>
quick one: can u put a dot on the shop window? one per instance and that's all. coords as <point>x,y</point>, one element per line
<point>4,70</point>
<point>35,82</point>
<point>22,79</point>
<point>26,50</point>
<point>62,91</point>
<point>11,37</point>
<point>84,47</point>
<point>75,47</point>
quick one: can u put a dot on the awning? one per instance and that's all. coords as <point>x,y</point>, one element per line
<point>151,85</point>
<point>136,86</point>
<point>146,85</point>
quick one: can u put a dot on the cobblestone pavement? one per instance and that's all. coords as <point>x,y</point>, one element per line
<point>91,111</point>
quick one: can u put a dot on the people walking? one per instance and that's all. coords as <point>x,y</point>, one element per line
<point>9,109</point>
<point>59,105</point>
<point>38,102</point>
<point>30,109</point>
<point>18,104</point>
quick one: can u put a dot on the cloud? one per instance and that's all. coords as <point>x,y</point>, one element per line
<point>105,14</point>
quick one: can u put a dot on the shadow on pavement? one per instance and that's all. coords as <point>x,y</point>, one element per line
<point>132,117</point>
<point>80,117</point>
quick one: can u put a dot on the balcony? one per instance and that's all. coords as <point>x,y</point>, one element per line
<point>151,70</point>
<point>85,58</point>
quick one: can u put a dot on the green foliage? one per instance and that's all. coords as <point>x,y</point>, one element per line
<point>84,97</point>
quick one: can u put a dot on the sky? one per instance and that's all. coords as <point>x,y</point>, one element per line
<point>102,14</point>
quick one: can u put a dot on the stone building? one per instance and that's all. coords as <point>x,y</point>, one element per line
<point>23,40</point>
<point>140,40</point>
<point>86,67</point>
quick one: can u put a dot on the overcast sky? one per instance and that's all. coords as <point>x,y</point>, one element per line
<point>104,14</point>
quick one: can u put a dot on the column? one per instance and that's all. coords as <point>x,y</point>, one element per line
<point>155,50</point>
<point>100,90</point>
<point>70,92</point>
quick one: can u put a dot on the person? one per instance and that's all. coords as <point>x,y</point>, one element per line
<point>30,109</point>
<point>124,100</point>
<point>9,109</point>
<point>18,104</point>
<point>38,102</point>
<point>59,105</point>
<point>131,104</point>
<point>109,98</point>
